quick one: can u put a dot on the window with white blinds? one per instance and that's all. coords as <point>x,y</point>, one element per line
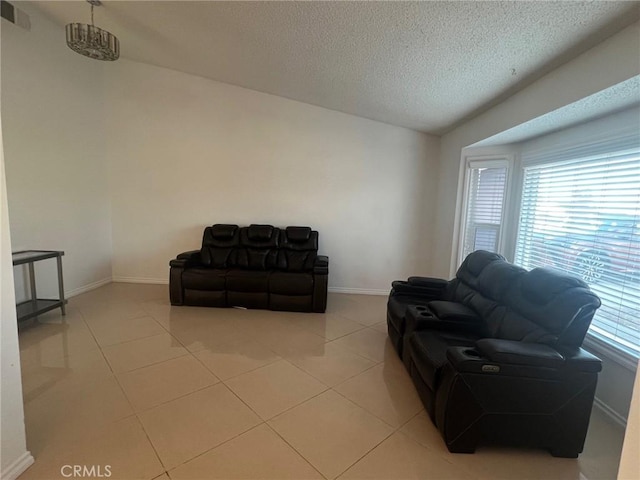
<point>484,210</point>
<point>580,212</point>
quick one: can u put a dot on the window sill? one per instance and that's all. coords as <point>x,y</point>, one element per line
<point>609,351</point>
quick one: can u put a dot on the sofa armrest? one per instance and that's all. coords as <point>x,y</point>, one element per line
<point>321,265</point>
<point>178,265</point>
<point>420,318</point>
<point>425,291</point>
<point>320,281</point>
<point>519,353</point>
<point>453,311</point>
<point>436,324</point>
<point>186,259</point>
<point>576,358</point>
<point>189,255</point>
<point>429,282</point>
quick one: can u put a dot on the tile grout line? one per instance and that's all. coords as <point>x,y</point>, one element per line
<point>155,451</point>
<point>365,409</point>
<point>133,414</point>
<point>150,336</point>
<point>295,449</point>
<point>277,414</point>
<point>393,430</point>
<point>124,342</point>
<point>145,410</point>
<point>218,445</point>
<point>342,381</point>
<point>262,421</point>
<point>82,315</point>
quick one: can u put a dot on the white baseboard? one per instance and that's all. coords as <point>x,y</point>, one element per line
<point>87,288</point>
<point>610,412</point>
<point>18,466</point>
<point>358,291</point>
<point>151,281</point>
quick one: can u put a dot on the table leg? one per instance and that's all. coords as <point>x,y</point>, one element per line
<point>32,286</point>
<point>61,286</point>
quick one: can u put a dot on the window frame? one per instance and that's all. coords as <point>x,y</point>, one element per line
<point>535,157</point>
<point>469,163</point>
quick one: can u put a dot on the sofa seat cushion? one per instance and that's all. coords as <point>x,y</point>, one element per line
<point>428,352</point>
<point>248,280</point>
<point>208,279</point>
<point>285,283</point>
<point>206,298</point>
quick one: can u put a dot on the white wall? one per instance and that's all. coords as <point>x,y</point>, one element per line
<point>14,457</point>
<point>53,114</point>
<point>629,464</point>
<point>613,61</point>
<point>186,152</point>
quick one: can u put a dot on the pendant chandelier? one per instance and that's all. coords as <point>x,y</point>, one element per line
<point>91,41</point>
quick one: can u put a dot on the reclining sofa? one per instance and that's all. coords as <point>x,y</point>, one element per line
<point>495,354</point>
<point>259,266</point>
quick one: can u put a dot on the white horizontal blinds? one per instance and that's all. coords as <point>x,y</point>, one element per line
<point>485,206</point>
<point>583,216</point>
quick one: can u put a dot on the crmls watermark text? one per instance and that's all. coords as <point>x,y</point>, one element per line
<point>86,471</point>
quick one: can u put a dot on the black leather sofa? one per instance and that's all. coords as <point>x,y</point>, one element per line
<point>495,354</point>
<point>259,266</point>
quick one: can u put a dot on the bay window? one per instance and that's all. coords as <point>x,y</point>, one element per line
<point>574,205</point>
<point>581,214</point>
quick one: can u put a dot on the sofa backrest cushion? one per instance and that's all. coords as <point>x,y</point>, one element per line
<point>495,284</point>
<point>298,249</point>
<point>259,233</point>
<point>474,264</point>
<point>258,248</point>
<point>497,279</point>
<point>561,304</point>
<point>542,306</point>
<point>218,245</point>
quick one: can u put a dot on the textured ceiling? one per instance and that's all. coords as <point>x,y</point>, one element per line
<point>619,97</point>
<point>423,65</point>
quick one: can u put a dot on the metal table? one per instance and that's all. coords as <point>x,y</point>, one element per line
<point>36,306</point>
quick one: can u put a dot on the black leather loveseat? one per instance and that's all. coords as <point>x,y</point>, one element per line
<point>495,353</point>
<point>259,266</point>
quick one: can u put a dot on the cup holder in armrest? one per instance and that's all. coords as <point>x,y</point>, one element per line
<point>466,359</point>
<point>421,309</point>
<point>426,315</point>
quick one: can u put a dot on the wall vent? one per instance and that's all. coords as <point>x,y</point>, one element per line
<point>14,15</point>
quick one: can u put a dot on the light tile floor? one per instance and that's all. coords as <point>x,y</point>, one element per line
<point>161,392</point>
